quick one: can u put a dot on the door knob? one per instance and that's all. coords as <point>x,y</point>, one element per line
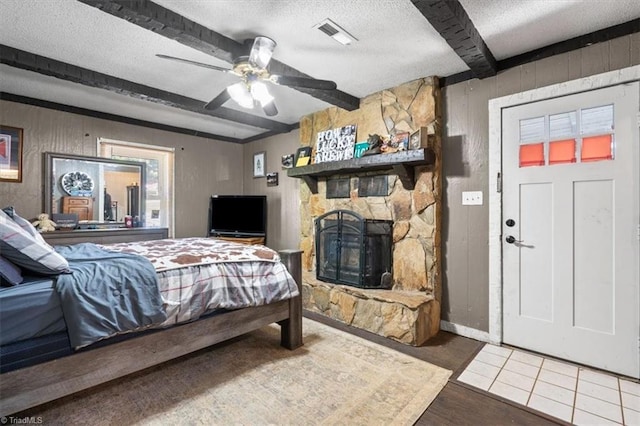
<point>510,239</point>
<point>511,222</point>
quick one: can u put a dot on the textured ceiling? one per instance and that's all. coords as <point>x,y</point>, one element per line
<point>396,44</point>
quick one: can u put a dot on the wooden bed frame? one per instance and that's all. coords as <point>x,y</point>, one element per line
<point>31,386</point>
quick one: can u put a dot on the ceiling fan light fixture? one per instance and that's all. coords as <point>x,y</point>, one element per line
<point>260,93</point>
<point>261,51</point>
<point>239,92</point>
<point>252,92</point>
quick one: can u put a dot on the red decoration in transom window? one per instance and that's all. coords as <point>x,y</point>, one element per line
<point>532,155</point>
<point>561,152</point>
<point>597,148</point>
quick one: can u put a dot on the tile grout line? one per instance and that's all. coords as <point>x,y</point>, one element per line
<point>599,399</point>
<point>620,396</point>
<point>575,396</point>
<point>535,381</point>
<point>500,371</point>
<point>573,405</point>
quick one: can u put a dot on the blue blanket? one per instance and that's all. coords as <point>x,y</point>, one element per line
<point>107,293</point>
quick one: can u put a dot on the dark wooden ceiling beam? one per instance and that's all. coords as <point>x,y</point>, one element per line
<point>600,36</point>
<point>31,62</point>
<point>450,19</point>
<point>113,117</point>
<point>160,20</point>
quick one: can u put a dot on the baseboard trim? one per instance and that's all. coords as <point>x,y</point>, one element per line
<point>464,331</point>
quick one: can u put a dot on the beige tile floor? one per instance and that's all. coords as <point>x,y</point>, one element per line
<point>569,392</point>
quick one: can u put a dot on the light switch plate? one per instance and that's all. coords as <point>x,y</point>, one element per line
<point>472,198</point>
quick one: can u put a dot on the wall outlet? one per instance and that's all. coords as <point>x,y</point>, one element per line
<point>472,198</point>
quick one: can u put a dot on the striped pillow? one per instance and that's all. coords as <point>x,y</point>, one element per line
<point>10,274</point>
<point>24,246</point>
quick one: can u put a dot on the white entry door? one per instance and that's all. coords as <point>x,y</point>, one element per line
<point>570,228</point>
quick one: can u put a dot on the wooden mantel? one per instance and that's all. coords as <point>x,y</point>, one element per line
<point>401,163</point>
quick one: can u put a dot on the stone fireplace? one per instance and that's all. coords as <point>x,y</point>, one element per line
<point>409,310</point>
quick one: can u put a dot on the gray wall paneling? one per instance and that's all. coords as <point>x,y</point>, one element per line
<point>283,216</point>
<point>465,153</point>
<point>202,166</point>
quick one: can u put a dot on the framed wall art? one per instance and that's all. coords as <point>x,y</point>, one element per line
<point>259,159</point>
<point>272,179</point>
<point>287,161</point>
<point>10,154</point>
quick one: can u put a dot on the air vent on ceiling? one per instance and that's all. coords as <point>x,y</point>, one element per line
<point>328,29</point>
<point>334,31</point>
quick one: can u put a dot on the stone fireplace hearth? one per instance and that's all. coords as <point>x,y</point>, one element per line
<point>409,311</point>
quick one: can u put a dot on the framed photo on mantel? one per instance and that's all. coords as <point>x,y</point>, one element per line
<point>303,156</point>
<point>419,139</point>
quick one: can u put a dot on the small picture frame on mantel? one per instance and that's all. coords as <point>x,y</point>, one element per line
<point>303,156</point>
<point>419,139</point>
<point>259,160</point>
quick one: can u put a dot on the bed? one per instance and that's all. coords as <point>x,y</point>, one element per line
<point>51,348</point>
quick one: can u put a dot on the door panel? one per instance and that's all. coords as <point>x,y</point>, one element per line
<point>570,182</point>
<point>594,269</point>
<point>536,284</point>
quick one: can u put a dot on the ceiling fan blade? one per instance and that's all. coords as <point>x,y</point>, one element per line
<point>188,61</point>
<point>309,83</point>
<point>218,100</point>
<point>261,52</point>
<point>270,109</point>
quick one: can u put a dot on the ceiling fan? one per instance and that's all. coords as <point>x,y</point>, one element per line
<point>252,69</point>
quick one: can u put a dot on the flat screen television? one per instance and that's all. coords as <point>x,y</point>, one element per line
<point>238,215</point>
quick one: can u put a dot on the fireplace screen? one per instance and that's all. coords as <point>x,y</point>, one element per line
<point>352,250</point>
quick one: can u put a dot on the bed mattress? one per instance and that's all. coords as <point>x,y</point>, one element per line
<point>192,285</point>
<point>31,309</point>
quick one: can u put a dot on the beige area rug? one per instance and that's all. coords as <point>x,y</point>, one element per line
<point>334,379</point>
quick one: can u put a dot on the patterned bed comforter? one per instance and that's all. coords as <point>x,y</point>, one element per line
<point>200,275</point>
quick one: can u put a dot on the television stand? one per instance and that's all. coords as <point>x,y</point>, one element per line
<point>239,237</point>
<point>243,240</point>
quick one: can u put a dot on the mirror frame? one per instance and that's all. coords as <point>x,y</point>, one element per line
<point>50,181</point>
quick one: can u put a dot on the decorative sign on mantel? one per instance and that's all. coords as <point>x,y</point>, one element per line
<point>336,144</point>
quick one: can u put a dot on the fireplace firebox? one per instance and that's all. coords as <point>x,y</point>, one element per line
<point>353,250</point>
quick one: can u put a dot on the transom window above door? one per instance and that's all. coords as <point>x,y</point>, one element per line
<point>579,136</point>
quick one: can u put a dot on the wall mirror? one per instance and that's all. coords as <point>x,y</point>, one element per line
<point>98,190</point>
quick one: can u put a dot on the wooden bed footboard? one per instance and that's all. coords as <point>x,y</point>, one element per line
<point>291,328</point>
<point>31,386</point>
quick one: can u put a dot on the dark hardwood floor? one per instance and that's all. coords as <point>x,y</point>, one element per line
<point>458,404</point>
